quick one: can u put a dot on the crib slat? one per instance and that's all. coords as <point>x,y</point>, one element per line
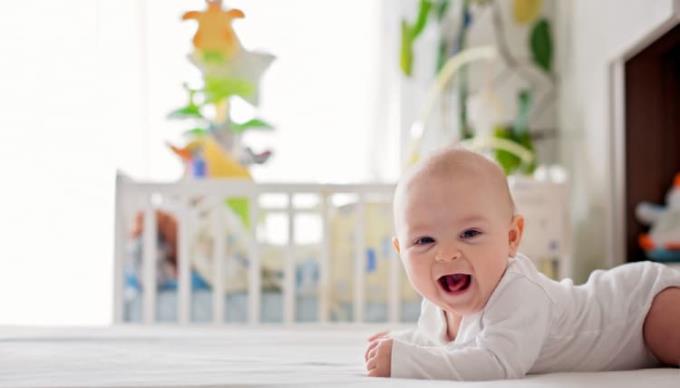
<point>149,263</point>
<point>394,295</point>
<point>324,284</point>
<point>289,269</point>
<point>119,256</point>
<point>183,264</point>
<point>360,261</point>
<point>219,251</point>
<point>254,283</point>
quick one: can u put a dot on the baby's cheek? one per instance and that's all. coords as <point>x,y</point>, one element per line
<point>489,275</point>
<point>420,275</point>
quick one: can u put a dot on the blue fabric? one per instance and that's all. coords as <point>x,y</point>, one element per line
<point>197,282</point>
<point>664,255</point>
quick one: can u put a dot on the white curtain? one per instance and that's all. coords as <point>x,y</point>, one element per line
<point>87,86</point>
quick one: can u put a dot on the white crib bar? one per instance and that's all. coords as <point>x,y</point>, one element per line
<point>218,260</point>
<point>119,250</point>
<point>149,262</point>
<point>324,286</point>
<point>289,266</point>
<point>183,264</point>
<point>360,261</point>
<point>254,288</point>
<point>394,295</point>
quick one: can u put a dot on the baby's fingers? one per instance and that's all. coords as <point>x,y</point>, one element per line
<point>374,372</point>
<point>371,346</point>
<point>377,335</point>
<point>371,364</point>
<point>373,353</point>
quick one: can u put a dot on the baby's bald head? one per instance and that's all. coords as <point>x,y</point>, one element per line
<point>455,165</point>
<point>454,217</point>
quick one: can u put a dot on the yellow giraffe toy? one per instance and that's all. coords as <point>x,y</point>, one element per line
<point>215,34</point>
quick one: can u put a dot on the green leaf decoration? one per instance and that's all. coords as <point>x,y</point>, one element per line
<point>217,89</point>
<point>214,57</point>
<point>540,41</point>
<point>509,162</point>
<point>524,139</point>
<point>240,206</point>
<point>441,8</point>
<point>467,131</point>
<point>250,124</point>
<point>196,132</point>
<point>523,106</point>
<point>191,111</point>
<point>410,33</point>
<point>423,10</point>
<point>442,54</point>
<point>406,59</point>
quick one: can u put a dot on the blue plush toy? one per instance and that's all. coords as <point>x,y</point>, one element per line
<point>662,243</point>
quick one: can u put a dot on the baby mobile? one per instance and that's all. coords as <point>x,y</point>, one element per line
<point>213,145</point>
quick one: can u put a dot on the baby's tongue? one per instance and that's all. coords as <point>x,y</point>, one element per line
<point>455,282</point>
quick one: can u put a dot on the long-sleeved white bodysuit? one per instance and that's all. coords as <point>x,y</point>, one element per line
<point>532,324</point>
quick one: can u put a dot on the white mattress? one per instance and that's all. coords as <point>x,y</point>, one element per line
<point>231,356</point>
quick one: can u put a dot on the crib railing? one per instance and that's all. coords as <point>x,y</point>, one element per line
<point>544,204</point>
<point>132,196</point>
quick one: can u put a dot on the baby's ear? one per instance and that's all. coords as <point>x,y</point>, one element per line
<point>515,233</point>
<point>395,244</point>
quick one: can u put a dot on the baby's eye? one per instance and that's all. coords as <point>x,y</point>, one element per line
<point>469,234</point>
<point>424,241</point>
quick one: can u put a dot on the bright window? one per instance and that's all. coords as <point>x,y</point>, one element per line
<point>87,86</point>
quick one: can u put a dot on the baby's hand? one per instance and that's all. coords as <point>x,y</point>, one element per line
<point>379,355</point>
<point>373,342</point>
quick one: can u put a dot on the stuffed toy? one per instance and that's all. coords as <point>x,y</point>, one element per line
<point>166,225</point>
<point>662,243</point>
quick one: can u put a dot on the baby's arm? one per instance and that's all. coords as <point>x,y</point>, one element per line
<point>413,336</point>
<point>378,353</point>
<point>515,324</point>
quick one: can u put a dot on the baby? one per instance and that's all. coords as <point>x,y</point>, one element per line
<point>487,313</point>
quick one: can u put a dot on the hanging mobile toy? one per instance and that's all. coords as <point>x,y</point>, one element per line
<point>228,70</point>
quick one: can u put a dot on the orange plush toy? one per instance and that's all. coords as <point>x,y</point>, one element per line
<point>166,225</point>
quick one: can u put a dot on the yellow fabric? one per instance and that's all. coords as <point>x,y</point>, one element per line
<point>526,11</point>
<point>220,163</point>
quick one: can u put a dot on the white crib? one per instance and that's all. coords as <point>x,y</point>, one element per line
<point>543,203</point>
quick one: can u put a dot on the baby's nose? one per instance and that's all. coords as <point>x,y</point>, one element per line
<point>448,253</point>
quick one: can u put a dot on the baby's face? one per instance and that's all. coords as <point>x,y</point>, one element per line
<point>454,237</point>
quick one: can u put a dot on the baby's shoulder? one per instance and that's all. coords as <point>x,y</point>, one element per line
<point>520,284</point>
<point>516,299</point>
<point>517,283</point>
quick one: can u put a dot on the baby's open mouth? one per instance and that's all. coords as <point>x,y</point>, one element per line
<point>455,283</point>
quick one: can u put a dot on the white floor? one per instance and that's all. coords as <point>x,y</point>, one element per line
<point>231,356</point>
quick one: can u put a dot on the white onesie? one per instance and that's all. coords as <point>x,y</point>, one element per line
<point>532,324</point>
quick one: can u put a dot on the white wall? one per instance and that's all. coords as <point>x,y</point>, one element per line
<point>57,166</point>
<point>591,36</point>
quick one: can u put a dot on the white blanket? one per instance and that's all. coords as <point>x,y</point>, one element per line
<point>167,356</point>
